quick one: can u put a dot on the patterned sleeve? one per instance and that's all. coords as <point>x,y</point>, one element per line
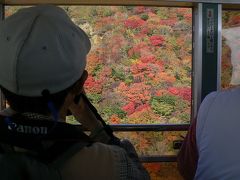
<point>130,166</point>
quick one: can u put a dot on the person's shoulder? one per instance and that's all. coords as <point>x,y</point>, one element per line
<point>226,94</point>
<point>210,97</point>
<point>220,94</point>
<point>230,91</point>
<point>99,151</point>
<point>93,161</point>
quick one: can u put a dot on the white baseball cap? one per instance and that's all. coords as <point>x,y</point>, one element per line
<point>41,48</point>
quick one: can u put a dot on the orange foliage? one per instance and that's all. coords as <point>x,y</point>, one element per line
<point>161,92</point>
<point>114,119</point>
<point>137,92</point>
<point>164,77</point>
<point>92,60</point>
<point>235,20</point>
<point>155,167</point>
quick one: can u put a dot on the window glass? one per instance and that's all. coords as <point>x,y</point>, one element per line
<point>140,63</point>
<point>153,143</point>
<point>230,72</point>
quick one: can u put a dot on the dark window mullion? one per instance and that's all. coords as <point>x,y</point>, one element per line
<point>150,127</point>
<point>147,127</point>
<point>2,99</point>
<point>156,159</point>
<point>1,12</point>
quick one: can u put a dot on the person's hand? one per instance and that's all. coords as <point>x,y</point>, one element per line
<point>86,117</point>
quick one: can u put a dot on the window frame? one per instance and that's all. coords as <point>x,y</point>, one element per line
<point>196,57</point>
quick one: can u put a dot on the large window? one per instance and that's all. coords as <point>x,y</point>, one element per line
<point>140,68</point>
<point>231,49</point>
<point>140,62</point>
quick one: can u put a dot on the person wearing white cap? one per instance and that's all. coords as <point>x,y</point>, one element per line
<point>42,71</point>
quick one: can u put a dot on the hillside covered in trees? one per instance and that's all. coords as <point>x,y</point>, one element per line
<point>140,62</point>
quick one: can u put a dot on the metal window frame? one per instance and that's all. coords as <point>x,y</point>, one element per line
<point>1,11</point>
<point>219,47</point>
<point>146,127</point>
<point>197,57</point>
<point>196,80</point>
<point>158,159</point>
<point>150,128</point>
<point>134,127</point>
<point>182,3</point>
<point>121,127</point>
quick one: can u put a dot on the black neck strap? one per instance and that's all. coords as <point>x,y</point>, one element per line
<point>33,134</point>
<point>114,140</point>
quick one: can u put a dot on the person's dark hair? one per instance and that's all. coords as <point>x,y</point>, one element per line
<point>35,104</point>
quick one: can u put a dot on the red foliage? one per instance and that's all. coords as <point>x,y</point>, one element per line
<point>155,167</point>
<point>183,92</point>
<point>160,63</point>
<point>144,30</point>
<point>137,93</point>
<point>188,17</point>
<point>139,68</point>
<point>235,20</point>
<point>142,107</point>
<point>156,40</point>
<point>173,90</point>
<point>148,59</point>
<point>147,68</point>
<point>129,108</point>
<point>93,86</point>
<point>168,22</point>
<point>134,22</point>
<point>140,49</point>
